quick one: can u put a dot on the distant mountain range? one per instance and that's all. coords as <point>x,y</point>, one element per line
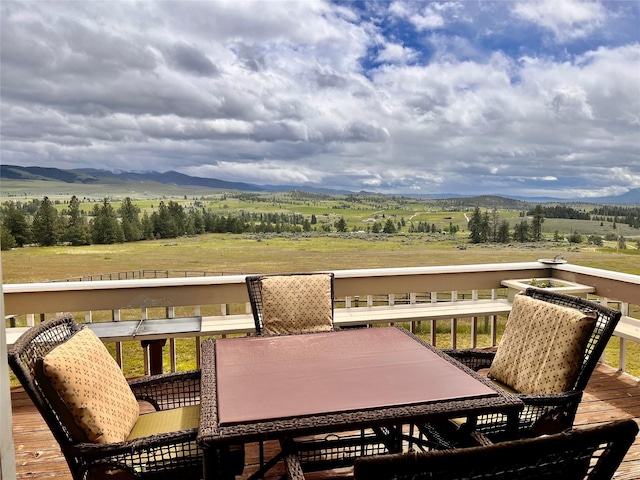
<point>89,176</point>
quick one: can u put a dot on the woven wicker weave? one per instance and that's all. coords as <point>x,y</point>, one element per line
<point>588,454</point>
<point>549,413</point>
<point>165,456</point>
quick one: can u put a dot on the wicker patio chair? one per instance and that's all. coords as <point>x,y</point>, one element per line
<point>299,303</point>
<point>160,444</point>
<point>544,412</point>
<point>592,453</point>
<point>291,303</point>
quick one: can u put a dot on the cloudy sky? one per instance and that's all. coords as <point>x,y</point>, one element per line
<point>511,97</point>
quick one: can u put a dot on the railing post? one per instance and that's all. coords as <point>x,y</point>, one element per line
<point>434,299</point>
<point>454,323</point>
<point>622,355</point>
<point>171,313</point>
<point>474,322</point>
<point>115,317</point>
<point>197,313</point>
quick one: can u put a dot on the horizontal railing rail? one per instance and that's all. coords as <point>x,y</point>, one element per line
<point>463,295</point>
<point>141,274</point>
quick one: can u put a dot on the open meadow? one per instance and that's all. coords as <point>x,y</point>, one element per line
<point>228,253</point>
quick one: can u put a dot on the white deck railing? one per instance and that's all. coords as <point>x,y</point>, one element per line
<point>222,301</point>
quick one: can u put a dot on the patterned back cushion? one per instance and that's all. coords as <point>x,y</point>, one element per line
<point>297,304</point>
<point>542,347</point>
<point>92,387</point>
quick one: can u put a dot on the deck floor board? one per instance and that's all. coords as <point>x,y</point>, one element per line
<point>610,395</point>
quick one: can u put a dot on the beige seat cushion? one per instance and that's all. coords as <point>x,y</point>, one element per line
<point>93,388</point>
<point>297,304</point>
<point>175,420</point>
<point>166,421</point>
<point>542,347</point>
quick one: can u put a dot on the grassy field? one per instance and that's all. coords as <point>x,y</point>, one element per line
<point>252,254</point>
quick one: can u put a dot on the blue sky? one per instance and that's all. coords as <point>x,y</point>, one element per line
<point>522,98</point>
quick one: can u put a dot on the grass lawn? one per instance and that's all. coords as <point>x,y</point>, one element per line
<point>264,254</point>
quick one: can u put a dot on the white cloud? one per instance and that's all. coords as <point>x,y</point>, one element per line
<point>396,53</point>
<point>566,19</point>
<point>431,16</point>
<point>259,172</point>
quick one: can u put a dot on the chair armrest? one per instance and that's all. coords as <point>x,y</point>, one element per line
<point>550,413</point>
<point>168,391</point>
<point>139,447</point>
<point>472,358</point>
<point>551,399</point>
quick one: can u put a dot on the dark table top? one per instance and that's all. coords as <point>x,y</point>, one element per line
<point>271,387</point>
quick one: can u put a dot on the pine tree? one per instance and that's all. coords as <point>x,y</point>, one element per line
<point>106,229</point>
<point>7,242</point>
<point>164,225</point>
<point>503,232</point>
<point>389,226</point>
<point>197,219</point>
<point>478,226</point>
<point>176,211</point>
<point>15,221</point>
<point>521,231</point>
<point>131,226</point>
<point>77,229</point>
<point>486,227</point>
<point>147,226</point>
<point>536,224</point>
<point>46,225</point>
<point>494,225</point>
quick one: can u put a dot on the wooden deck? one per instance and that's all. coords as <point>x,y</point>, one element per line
<point>610,395</point>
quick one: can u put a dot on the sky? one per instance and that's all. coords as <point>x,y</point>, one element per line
<point>520,98</point>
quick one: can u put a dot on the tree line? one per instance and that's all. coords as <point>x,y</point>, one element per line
<point>606,213</point>
<point>614,214</point>
<point>488,227</point>
<point>45,226</point>
<point>40,222</point>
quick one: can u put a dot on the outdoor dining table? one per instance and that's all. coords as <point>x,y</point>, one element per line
<point>279,387</point>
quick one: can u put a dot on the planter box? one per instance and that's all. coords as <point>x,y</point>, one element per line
<point>551,284</point>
